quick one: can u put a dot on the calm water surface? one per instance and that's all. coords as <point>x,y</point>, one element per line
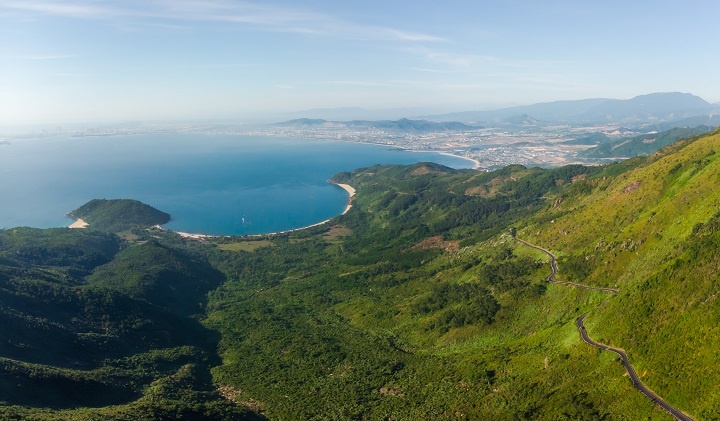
<point>222,185</point>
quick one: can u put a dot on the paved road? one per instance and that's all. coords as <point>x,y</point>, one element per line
<point>554,268</point>
<point>631,372</point>
<point>623,356</point>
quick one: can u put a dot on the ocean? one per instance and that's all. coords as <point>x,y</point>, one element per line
<point>209,184</point>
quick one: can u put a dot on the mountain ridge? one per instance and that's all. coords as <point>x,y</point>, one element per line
<point>648,108</point>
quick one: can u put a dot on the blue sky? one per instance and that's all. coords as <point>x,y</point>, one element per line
<point>113,60</point>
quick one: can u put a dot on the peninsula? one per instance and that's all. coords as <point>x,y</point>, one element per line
<point>117,215</point>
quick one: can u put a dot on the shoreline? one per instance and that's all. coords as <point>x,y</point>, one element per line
<point>476,163</point>
<point>348,188</point>
<point>351,192</point>
<point>78,224</point>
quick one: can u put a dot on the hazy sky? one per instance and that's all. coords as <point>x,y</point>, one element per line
<point>89,60</point>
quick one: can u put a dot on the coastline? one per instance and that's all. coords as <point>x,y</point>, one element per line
<point>476,163</point>
<point>348,188</point>
<point>351,192</point>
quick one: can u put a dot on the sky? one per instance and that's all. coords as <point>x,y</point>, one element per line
<point>118,60</point>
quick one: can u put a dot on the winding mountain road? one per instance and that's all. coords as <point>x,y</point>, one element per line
<point>634,378</point>
<point>554,268</point>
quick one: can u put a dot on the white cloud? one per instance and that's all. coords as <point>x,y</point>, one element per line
<point>39,57</point>
<point>66,9</point>
<point>256,15</point>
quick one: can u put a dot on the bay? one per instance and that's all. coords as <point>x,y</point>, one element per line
<point>210,184</point>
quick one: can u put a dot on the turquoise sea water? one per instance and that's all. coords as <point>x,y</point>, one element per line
<point>220,185</point>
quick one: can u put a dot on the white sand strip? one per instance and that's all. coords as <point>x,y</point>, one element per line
<point>79,223</point>
<point>348,188</point>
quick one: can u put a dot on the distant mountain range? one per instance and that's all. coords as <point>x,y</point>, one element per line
<point>655,111</point>
<point>403,125</point>
<point>643,109</point>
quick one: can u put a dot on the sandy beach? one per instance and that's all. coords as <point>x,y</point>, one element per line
<point>351,191</point>
<point>79,223</point>
<point>476,163</point>
<point>186,234</point>
<point>195,236</point>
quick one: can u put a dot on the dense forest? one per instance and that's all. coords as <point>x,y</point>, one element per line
<point>416,304</point>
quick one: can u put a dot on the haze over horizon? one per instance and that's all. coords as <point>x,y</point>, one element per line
<point>84,60</point>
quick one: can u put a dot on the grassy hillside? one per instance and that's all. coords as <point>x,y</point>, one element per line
<point>651,231</point>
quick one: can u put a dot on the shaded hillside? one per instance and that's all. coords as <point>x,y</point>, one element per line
<point>76,252</point>
<point>159,275</point>
<point>69,344</point>
<point>643,144</point>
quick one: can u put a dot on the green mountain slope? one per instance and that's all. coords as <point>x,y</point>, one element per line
<point>652,231</point>
<point>643,144</point>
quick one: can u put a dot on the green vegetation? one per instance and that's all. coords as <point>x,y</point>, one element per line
<point>85,328</point>
<point>591,139</point>
<point>249,246</point>
<point>651,231</point>
<point>119,215</point>
<point>416,304</point>
<point>643,144</point>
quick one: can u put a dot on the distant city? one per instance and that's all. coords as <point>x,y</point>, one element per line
<point>552,136</point>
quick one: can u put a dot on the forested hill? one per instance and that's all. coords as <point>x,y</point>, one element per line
<point>119,215</point>
<point>642,144</point>
<point>416,304</point>
<point>87,335</point>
